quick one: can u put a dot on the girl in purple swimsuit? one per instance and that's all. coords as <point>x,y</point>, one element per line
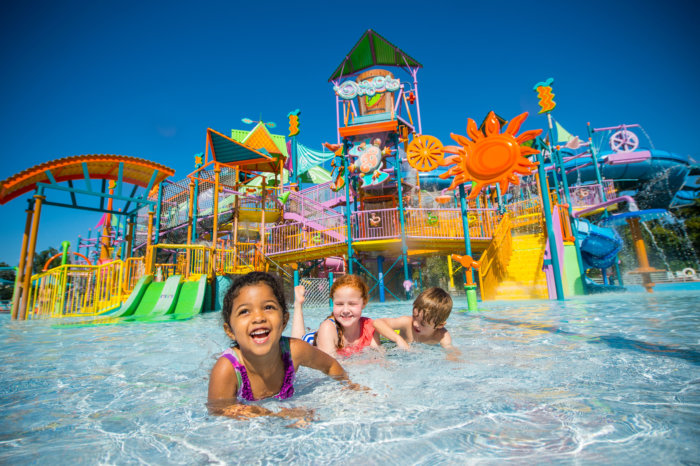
<point>261,363</point>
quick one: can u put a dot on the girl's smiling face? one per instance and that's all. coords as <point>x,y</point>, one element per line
<point>257,321</point>
<point>347,306</point>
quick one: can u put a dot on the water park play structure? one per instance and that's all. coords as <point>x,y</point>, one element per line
<point>522,215</point>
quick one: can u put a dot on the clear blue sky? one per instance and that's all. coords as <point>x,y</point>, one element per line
<point>147,78</point>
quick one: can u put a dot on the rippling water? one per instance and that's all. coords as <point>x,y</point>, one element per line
<point>600,379</point>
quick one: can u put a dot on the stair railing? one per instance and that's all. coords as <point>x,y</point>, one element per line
<point>494,261</point>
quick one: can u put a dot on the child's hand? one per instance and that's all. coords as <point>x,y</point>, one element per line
<point>304,416</point>
<point>238,411</point>
<point>299,294</point>
<point>401,343</point>
<point>355,387</point>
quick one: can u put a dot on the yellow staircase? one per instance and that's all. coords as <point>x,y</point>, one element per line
<point>524,276</point>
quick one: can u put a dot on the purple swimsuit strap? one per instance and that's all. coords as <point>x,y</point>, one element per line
<point>244,389</point>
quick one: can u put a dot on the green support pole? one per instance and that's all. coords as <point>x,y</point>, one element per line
<point>547,208</point>
<point>465,227</point>
<point>471,298</point>
<point>347,204</point>
<point>64,250</point>
<point>404,247</point>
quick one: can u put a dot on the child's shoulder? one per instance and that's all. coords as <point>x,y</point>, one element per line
<point>438,335</point>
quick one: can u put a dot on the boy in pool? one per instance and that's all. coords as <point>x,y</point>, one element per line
<point>427,324</point>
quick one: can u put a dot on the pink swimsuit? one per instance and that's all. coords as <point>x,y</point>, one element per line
<point>366,337</point>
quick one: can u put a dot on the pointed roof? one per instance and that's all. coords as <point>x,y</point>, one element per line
<point>371,50</point>
<point>231,152</point>
<point>261,138</point>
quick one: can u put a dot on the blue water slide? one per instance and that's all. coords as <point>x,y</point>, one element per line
<point>599,245</point>
<point>431,181</point>
<point>649,167</point>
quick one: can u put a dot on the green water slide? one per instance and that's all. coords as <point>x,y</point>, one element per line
<point>134,298</point>
<point>191,299</point>
<point>157,302</point>
<point>188,302</point>
<point>149,299</point>
<point>160,301</point>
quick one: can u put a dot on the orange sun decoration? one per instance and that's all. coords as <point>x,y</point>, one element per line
<point>491,158</point>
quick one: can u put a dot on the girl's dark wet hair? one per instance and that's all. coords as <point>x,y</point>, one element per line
<point>250,279</point>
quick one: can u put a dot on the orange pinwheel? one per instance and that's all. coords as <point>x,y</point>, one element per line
<point>424,153</point>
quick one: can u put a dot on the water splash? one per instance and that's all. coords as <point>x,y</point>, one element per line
<point>656,246</point>
<point>689,249</point>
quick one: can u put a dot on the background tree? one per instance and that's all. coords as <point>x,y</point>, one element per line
<point>41,257</point>
<point>7,281</point>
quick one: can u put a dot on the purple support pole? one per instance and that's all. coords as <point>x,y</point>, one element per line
<point>337,115</point>
<point>414,73</point>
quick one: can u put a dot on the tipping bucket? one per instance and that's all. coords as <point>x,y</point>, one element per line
<point>379,102</point>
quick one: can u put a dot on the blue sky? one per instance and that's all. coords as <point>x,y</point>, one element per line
<point>146,79</point>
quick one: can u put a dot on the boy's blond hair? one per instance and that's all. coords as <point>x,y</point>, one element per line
<point>436,305</point>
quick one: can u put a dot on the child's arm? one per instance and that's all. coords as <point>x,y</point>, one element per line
<point>223,383</point>
<point>298,327</point>
<point>453,353</point>
<point>304,354</point>
<point>386,326</point>
<point>223,386</point>
<point>327,338</point>
<point>222,400</point>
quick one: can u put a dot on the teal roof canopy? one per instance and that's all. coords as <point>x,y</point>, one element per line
<point>231,152</point>
<point>371,50</point>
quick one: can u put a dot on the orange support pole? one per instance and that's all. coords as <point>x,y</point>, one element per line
<point>237,207</point>
<point>19,279</point>
<point>27,277</point>
<point>262,220</point>
<point>641,250</point>
<point>150,255</point>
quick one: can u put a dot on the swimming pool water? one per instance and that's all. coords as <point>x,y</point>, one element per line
<point>609,379</point>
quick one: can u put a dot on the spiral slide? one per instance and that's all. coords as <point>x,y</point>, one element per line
<point>599,245</point>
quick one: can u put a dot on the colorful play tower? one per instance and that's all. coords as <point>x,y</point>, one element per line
<point>392,198</point>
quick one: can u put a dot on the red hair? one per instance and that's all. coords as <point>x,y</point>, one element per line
<point>353,281</point>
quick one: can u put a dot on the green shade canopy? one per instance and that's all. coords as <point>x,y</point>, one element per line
<point>316,175</point>
<point>371,50</point>
<point>269,178</point>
